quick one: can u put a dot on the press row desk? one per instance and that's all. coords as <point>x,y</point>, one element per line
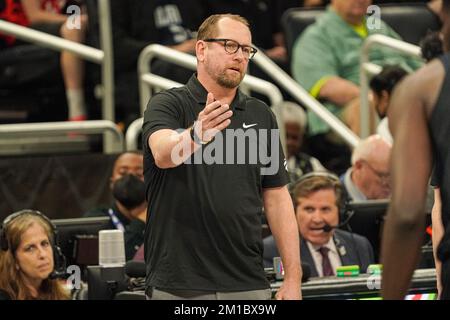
<point>361,287</point>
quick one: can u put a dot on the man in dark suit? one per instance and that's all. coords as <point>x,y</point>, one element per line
<point>317,199</point>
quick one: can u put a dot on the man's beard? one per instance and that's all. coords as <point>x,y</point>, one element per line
<point>229,82</point>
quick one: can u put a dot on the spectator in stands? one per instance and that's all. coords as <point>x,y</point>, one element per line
<point>317,202</point>
<point>48,16</point>
<point>326,63</point>
<point>129,209</point>
<point>298,163</point>
<point>431,46</point>
<point>368,178</point>
<point>27,258</point>
<point>312,3</point>
<point>382,85</point>
<point>137,24</point>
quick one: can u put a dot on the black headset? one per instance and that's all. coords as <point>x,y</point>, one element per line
<point>343,203</point>
<point>59,259</point>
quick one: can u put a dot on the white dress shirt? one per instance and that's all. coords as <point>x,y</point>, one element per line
<point>333,255</point>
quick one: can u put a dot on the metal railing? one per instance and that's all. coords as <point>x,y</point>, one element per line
<point>58,128</point>
<point>135,128</point>
<point>133,132</point>
<point>103,57</point>
<point>302,96</point>
<point>147,79</point>
<point>367,68</point>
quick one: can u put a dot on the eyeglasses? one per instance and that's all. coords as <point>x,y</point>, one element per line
<point>382,175</point>
<point>232,47</point>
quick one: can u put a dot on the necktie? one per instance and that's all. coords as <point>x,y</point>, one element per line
<point>326,264</point>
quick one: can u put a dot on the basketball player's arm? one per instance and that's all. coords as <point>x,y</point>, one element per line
<point>280,215</point>
<point>437,234</point>
<point>410,172</point>
<point>170,148</point>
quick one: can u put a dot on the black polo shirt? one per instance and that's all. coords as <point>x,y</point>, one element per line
<point>204,224</point>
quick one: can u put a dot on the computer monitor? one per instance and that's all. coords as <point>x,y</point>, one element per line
<point>367,220</point>
<point>78,238</point>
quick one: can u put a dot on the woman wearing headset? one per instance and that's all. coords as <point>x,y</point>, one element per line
<point>27,259</point>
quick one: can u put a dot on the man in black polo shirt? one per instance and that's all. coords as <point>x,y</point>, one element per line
<point>212,161</point>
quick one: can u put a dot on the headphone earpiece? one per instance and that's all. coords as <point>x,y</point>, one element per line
<point>59,259</point>
<point>3,240</point>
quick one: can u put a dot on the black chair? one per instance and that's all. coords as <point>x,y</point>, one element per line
<point>411,21</point>
<point>294,21</point>
<point>31,85</point>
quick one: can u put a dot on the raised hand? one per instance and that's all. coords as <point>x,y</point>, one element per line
<point>215,117</point>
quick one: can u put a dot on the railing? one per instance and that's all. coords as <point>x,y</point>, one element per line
<point>133,132</point>
<point>147,79</point>
<point>58,128</point>
<point>103,57</point>
<point>135,128</point>
<point>367,68</point>
<point>302,96</point>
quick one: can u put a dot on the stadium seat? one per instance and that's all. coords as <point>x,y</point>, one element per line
<point>410,21</point>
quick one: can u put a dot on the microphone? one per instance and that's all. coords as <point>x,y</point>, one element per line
<point>58,275</point>
<point>135,269</point>
<point>60,264</point>
<point>327,228</point>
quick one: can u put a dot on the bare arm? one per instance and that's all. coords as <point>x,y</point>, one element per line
<point>411,165</point>
<point>339,91</point>
<point>313,3</point>
<point>280,215</point>
<point>437,234</point>
<point>35,14</point>
<point>170,148</point>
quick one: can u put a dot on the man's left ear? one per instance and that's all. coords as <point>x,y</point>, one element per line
<point>200,48</point>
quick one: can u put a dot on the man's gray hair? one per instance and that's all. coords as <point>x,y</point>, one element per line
<point>293,112</point>
<point>366,148</point>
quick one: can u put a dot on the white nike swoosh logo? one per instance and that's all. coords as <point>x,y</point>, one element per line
<point>249,126</point>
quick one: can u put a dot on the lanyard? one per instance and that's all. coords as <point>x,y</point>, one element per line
<point>116,220</point>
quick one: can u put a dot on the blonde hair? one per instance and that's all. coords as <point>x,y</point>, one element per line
<point>208,28</point>
<point>11,279</point>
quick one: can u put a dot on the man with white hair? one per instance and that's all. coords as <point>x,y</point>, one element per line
<point>298,162</point>
<point>369,178</point>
